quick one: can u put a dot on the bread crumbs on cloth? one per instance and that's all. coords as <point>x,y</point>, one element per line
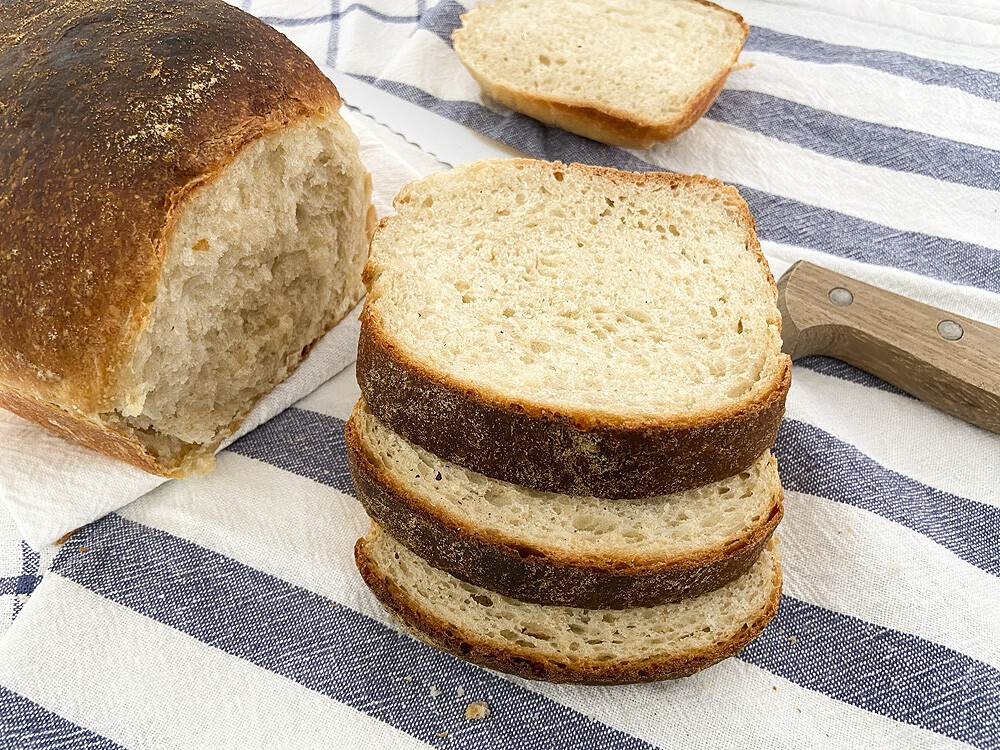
<point>477,710</point>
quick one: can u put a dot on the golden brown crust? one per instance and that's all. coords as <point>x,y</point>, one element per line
<point>605,123</point>
<point>78,428</point>
<point>529,664</point>
<point>545,575</point>
<point>121,108</point>
<point>570,451</point>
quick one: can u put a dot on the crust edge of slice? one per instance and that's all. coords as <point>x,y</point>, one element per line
<point>436,632</point>
<point>538,575</point>
<point>606,124</point>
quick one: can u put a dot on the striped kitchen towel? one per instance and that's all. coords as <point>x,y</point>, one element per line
<point>225,611</point>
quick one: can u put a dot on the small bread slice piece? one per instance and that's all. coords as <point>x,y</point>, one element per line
<point>566,644</point>
<point>554,549</point>
<point>574,329</point>
<point>628,74</point>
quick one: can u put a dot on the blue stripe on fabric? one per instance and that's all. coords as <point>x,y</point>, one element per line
<point>857,140</point>
<point>443,19</point>
<point>817,463</point>
<point>837,369</point>
<point>349,657</point>
<point>22,584</point>
<point>26,582</point>
<point>27,726</point>
<point>882,670</point>
<point>981,83</point>
<point>301,442</point>
<point>336,14</point>
<point>319,643</point>
<point>778,219</point>
<point>333,34</point>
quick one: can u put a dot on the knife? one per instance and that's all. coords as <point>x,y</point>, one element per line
<point>951,362</point>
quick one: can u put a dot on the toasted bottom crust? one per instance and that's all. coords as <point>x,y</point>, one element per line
<point>80,429</point>
<point>532,575</point>
<point>448,637</point>
<point>590,121</point>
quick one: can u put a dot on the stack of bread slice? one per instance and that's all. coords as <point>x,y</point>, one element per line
<point>571,378</point>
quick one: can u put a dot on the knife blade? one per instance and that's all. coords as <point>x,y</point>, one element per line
<point>446,140</point>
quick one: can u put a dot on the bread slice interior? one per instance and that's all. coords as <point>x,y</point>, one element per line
<point>580,290</point>
<point>260,262</point>
<point>567,644</point>
<point>628,74</point>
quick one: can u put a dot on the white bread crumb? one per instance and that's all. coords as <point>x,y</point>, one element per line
<point>477,710</point>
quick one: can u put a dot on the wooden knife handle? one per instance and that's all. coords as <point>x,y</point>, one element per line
<point>949,361</point>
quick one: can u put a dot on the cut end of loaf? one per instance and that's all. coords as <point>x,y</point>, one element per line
<point>564,644</point>
<point>629,75</point>
<point>260,262</point>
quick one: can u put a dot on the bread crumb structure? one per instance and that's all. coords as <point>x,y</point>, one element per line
<point>566,644</point>
<point>476,711</point>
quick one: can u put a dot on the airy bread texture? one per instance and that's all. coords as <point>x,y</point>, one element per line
<point>575,329</point>
<point>564,644</point>
<point>626,74</point>
<point>562,549</point>
<point>260,263</point>
<point>183,213</point>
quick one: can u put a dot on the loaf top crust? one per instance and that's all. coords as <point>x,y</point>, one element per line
<point>114,111</point>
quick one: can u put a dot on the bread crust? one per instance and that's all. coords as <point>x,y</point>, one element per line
<point>545,575</point>
<point>533,666</point>
<point>79,428</point>
<point>606,124</point>
<point>117,111</point>
<point>570,451</point>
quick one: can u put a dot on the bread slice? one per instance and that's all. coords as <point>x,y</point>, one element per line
<point>565,644</point>
<point>568,550</point>
<point>184,214</point>
<point>628,74</point>
<point>574,329</point>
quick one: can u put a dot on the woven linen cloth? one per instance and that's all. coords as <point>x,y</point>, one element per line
<point>225,611</point>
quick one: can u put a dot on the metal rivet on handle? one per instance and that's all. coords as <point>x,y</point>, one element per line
<point>841,297</point>
<point>950,329</point>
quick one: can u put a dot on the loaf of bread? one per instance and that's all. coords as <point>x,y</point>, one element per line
<point>183,213</point>
<point>569,550</point>
<point>628,74</point>
<point>574,329</point>
<point>565,644</point>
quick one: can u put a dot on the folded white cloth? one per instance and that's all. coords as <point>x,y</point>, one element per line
<point>51,486</point>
